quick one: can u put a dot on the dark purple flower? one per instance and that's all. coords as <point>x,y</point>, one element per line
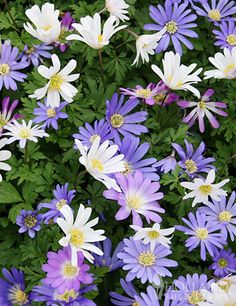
<point>62,197</point>
<point>224,263</point>
<point>35,54</point>
<point>66,27</point>
<point>30,221</point>
<point>149,298</point>
<point>177,20</point>
<point>120,121</point>
<point>167,164</point>
<point>49,115</point>
<point>226,35</point>
<point>6,112</point>
<point>9,67</point>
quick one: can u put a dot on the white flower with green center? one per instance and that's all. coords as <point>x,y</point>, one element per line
<point>4,155</point>
<point>219,297</point>
<point>24,132</point>
<point>202,189</point>
<point>117,8</point>
<point>79,233</point>
<point>58,84</point>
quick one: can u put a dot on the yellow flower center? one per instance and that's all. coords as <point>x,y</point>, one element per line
<point>47,28</point>
<point>231,40</point>
<point>153,234</point>
<point>171,27</point>
<point>77,237</point>
<point>215,15</point>
<point>159,98</point>
<point>222,262</point>
<point>93,137</point>
<point>202,105</point>
<point>144,93</point>
<point>55,82</point>
<point>67,295</point>
<point>20,297</point>
<point>202,233</point>
<point>25,133</point>
<point>195,297</point>
<point>146,259</point>
<point>128,169</point>
<point>229,68</point>
<point>136,304</point>
<point>190,166</point>
<point>60,204</point>
<point>179,84</point>
<point>30,50</point>
<point>51,113</point>
<point>225,285</point>
<point>134,202</point>
<point>96,164</point>
<point>205,189</point>
<point>30,221</point>
<point>225,216</point>
<point>100,38</point>
<point>117,120</point>
<point>4,69</point>
<point>3,122</point>
<point>69,271</point>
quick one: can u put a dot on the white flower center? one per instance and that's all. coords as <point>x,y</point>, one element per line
<point>171,27</point>
<point>231,40</point>
<point>146,259</point>
<point>215,15</point>
<point>202,233</point>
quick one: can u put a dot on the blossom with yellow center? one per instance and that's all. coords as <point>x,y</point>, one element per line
<point>128,169</point>
<point>225,216</point>
<point>202,104</point>
<point>69,271</point>
<point>51,113</point>
<point>231,40</point>
<point>153,234</point>
<point>30,221</point>
<point>195,297</point>
<point>4,69</point>
<point>20,297</point>
<point>215,15</point>
<point>67,295</point>
<point>146,259</point>
<point>117,120</point>
<point>56,82</point>
<point>77,237</point>
<point>97,164</point>
<point>134,202</point>
<point>143,93</point>
<point>205,189</point>
<point>171,27</point>
<point>61,204</point>
<point>222,262</point>
<point>191,166</point>
<point>202,233</point>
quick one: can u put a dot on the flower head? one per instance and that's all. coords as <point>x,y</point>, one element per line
<point>218,296</point>
<point>30,221</point>
<point>129,299</point>
<point>117,8</point>
<point>6,112</point>
<point>224,263</point>
<point>167,164</point>
<point>226,35</point>
<point>4,155</point>
<point>35,54</point>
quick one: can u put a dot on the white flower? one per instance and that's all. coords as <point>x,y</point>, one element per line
<point>203,188</point>
<point>225,64</point>
<point>100,161</point>
<point>146,44</point>
<point>79,233</point>
<point>153,235</point>
<point>47,27</point>
<point>178,76</point>
<point>24,132</point>
<point>59,82</point>
<point>4,155</point>
<point>117,8</point>
<point>218,296</point>
<point>90,31</point>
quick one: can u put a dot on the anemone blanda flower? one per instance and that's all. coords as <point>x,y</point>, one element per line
<point>226,35</point>
<point>224,263</point>
<point>203,233</point>
<point>138,196</point>
<point>167,164</point>
<point>6,113</point>
<point>100,161</point>
<point>148,298</point>
<point>66,27</point>
<point>117,8</point>
<point>176,20</point>
<point>59,82</point>
<point>218,296</point>
<point>4,155</point>
<point>176,75</point>
<point>35,54</point>
<point>29,221</point>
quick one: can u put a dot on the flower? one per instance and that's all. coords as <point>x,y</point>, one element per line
<point>30,221</point>
<point>47,27</point>
<point>23,132</point>
<point>90,33</point>
<point>176,20</point>
<point>9,66</point>
<point>100,161</point>
<point>133,154</point>
<point>59,82</point>
<point>153,235</point>
<point>79,233</point>
<point>167,164</point>
<point>193,162</point>
<point>4,155</point>
<point>138,196</point>
<point>149,298</point>
<point>203,108</point>
<point>6,112</point>
<point>226,35</point>
<point>35,54</point>
<point>218,296</point>
<point>117,8</point>
<point>119,120</point>
<point>66,26</point>
<point>178,76</point>
<point>225,64</point>
<point>89,133</point>
<point>203,188</point>
<point>12,288</point>
<point>49,115</point>
<point>62,197</point>
<point>224,263</point>
<point>202,233</point>
<point>130,300</point>
<point>144,264</point>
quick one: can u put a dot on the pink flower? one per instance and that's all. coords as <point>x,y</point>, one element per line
<point>6,113</point>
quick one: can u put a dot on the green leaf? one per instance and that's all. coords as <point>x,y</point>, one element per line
<point>8,193</point>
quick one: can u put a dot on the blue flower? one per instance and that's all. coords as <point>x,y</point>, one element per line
<point>30,221</point>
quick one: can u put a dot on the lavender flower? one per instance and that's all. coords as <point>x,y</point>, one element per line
<point>120,121</point>
<point>144,264</point>
<point>166,164</point>
<point>35,54</point>
<point>6,113</point>
<point>149,298</point>
<point>66,27</point>
<point>226,35</point>
<point>177,20</point>
<point>202,233</point>
<point>30,221</point>
<point>224,263</point>
<point>49,115</point>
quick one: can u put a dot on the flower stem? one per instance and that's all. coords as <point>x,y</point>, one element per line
<point>131,32</point>
<point>162,102</point>
<point>26,153</point>
<point>103,10</point>
<point>101,66</point>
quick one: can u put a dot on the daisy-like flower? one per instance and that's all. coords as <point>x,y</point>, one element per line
<point>117,8</point>
<point>100,161</point>
<point>219,297</point>
<point>47,26</point>
<point>119,119</point>
<point>177,20</point>
<point>202,189</point>
<point>149,298</point>
<point>203,108</point>
<point>138,196</point>
<point>203,233</point>
<point>79,233</point>
<point>167,164</point>
<point>24,132</point>
<point>144,264</point>
<point>6,112</point>
<point>225,63</point>
<point>9,67</point>
<point>224,263</point>
<point>90,32</point>
<point>153,235</point>
<point>4,155</point>
<point>35,54</point>
<point>176,75</point>
<point>66,26</point>
<point>59,82</point>
<point>226,35</point>
<point>29,221</point>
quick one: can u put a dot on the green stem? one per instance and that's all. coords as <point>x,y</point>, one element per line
<point>103,10</point>
<point>131,32</point>
<point>162,102</point>
<point>26,153</point>
<point>101,66</point>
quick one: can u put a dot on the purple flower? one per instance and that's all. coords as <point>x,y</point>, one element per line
<point>167,164</point>
<point>193,162</point>
<point>138,196</point>
<point>177,20</point>
<point>66,26</point>
<point>6,113</point>
<point>62,197</point>
<point>149,298</point>
<point>202,233</point>
<point>226,36</point>
<point>30,221</point>
<point>49,115</point>
<point>88,134</point>
<point>133,154</point>
<point>144,264</point>
<point>203,108</point>
<point>120,121</point>
<point>224,263</point>
<point>9,67</point>
<point>35,54</point>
